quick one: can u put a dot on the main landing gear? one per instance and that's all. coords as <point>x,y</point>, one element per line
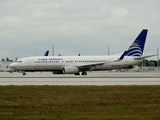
<point>83,73</point>
<point>77,74</point>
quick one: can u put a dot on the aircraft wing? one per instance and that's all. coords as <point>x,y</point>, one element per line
<point>143,57</point>
<point>90,66</point>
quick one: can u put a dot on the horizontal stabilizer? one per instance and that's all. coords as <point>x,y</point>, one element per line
<point>143,57</point>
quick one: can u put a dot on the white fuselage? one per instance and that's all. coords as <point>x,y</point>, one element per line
<point>52,63</point>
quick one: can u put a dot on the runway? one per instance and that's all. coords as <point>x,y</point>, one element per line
<point>93,78</point>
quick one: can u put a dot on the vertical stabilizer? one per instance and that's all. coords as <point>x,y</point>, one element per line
<point>137,47</point>
<point>46,53</point>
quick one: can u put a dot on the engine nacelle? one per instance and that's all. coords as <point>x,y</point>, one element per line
<point>70,70</point>
<point>57,72</point>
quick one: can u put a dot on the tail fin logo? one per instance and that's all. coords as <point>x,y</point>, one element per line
<point>136,48</point>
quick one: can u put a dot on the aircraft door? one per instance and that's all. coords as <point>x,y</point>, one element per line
<point>29,62</point>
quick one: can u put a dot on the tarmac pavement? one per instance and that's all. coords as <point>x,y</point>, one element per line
<point>93,78</point>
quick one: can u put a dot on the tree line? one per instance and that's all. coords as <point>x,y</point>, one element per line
<point>149,63</point>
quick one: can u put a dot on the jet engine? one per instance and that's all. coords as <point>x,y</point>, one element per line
<point>70,70</point>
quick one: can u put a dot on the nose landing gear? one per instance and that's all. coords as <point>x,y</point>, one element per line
<point>24,73</point>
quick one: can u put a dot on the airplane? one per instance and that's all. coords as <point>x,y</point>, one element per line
<point>82,64</point>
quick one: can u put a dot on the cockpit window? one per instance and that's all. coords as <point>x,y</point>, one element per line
<point>18,61</point>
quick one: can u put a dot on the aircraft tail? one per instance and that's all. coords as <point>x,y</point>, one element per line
<point>136,48</point>
<point>46,53</point>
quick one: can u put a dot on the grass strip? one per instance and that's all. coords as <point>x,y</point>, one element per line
<point>80,102</point>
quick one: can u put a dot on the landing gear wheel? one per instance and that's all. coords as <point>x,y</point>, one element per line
<point>24,73</point>
<point>84,73</point>
<point>77,74</point>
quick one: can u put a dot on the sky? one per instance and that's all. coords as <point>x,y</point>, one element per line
<point>86,27</point>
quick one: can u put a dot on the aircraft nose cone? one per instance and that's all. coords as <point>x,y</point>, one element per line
<point>12,65</point>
